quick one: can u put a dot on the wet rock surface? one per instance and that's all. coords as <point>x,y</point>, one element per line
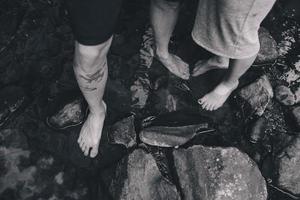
<point>268,47</point>
<point>284,95</point>
<point>123,132</point>
<point>288,164</point>
<point>218,173</point>
<point>71,114</point>
<point>296,116</point>
<point>164,136</point>
<point>256,96</point>
<point>138,177</point>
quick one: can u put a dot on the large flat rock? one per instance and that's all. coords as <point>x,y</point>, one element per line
<point>209,173</point>
<point>137,177</point>
<point>288,165</point>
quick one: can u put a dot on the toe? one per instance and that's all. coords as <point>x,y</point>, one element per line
<point>200,101</point>
<point>211,107</point>
<point>207,107</point>
<point>94,152</point>
<point>82,145</point>
<point>204,105</point>
<point>79,139</point>
<point>86,150</point>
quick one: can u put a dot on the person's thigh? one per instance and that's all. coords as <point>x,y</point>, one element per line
<point>93,21</point>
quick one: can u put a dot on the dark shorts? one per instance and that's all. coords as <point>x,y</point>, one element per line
<point>93,21</point>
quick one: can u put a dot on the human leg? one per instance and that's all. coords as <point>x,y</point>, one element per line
<point>163,16</point>
<point>93,24</point>
<point>215,62</point>
<point>216,98</point>
<point>90,67</point>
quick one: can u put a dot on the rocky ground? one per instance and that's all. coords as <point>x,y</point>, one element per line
<point>157,142</point>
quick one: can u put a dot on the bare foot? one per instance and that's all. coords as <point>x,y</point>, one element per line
<point>215,62</point>
<point>217,97</point>
<point>91,132</point>
<point>175,65</point>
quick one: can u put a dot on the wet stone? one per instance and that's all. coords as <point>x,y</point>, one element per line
<point>12,98</point>
<point>71,114</point>
<point>297,95</point>
<point>137,177</point>
<point>296,116</point>
<point>147,50</point>
<point>284,95</point>
<point>288,164</point>
<point>256,96</point>
<point>218,173</point>
<point>123,132</point>
<point>257,130</point>
<point>165,136</point>
<point>268,47</point>
<point>140,92</point>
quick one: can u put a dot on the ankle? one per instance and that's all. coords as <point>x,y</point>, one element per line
<point>162,53</point>
<point>230,83</point>
<point>99,110</point>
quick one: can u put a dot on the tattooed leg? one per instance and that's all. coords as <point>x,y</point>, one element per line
<point>90,67</point>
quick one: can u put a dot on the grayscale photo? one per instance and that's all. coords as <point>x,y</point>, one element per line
<point>149,99</point>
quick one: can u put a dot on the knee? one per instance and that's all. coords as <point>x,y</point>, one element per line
<point>92,52</point>
<point>166,5</point>
<point>89,57</point>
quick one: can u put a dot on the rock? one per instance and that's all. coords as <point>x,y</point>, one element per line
<point>165,136</point>
<point>291,76</point>
<point>71,114</point>
<point>161,157</point>
<point>297,95</point>
<point>147,50</point>
<point>209,173</point>
<point>288,165</point>
<point>296,116</point>
<point>268,47</point>
<point>256,96</point>
<point>284,95</point>
<point>140,92</point>
<point>137,178</point>
<point>257,130</point>
<point>12,98</point>
<point>123,132</point>
<point>141,86</point>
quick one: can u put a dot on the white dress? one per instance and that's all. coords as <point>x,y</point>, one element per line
<point>229,28</point>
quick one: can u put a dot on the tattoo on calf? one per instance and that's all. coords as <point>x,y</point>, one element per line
<point>97,76</point>
<point>91,79</point>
